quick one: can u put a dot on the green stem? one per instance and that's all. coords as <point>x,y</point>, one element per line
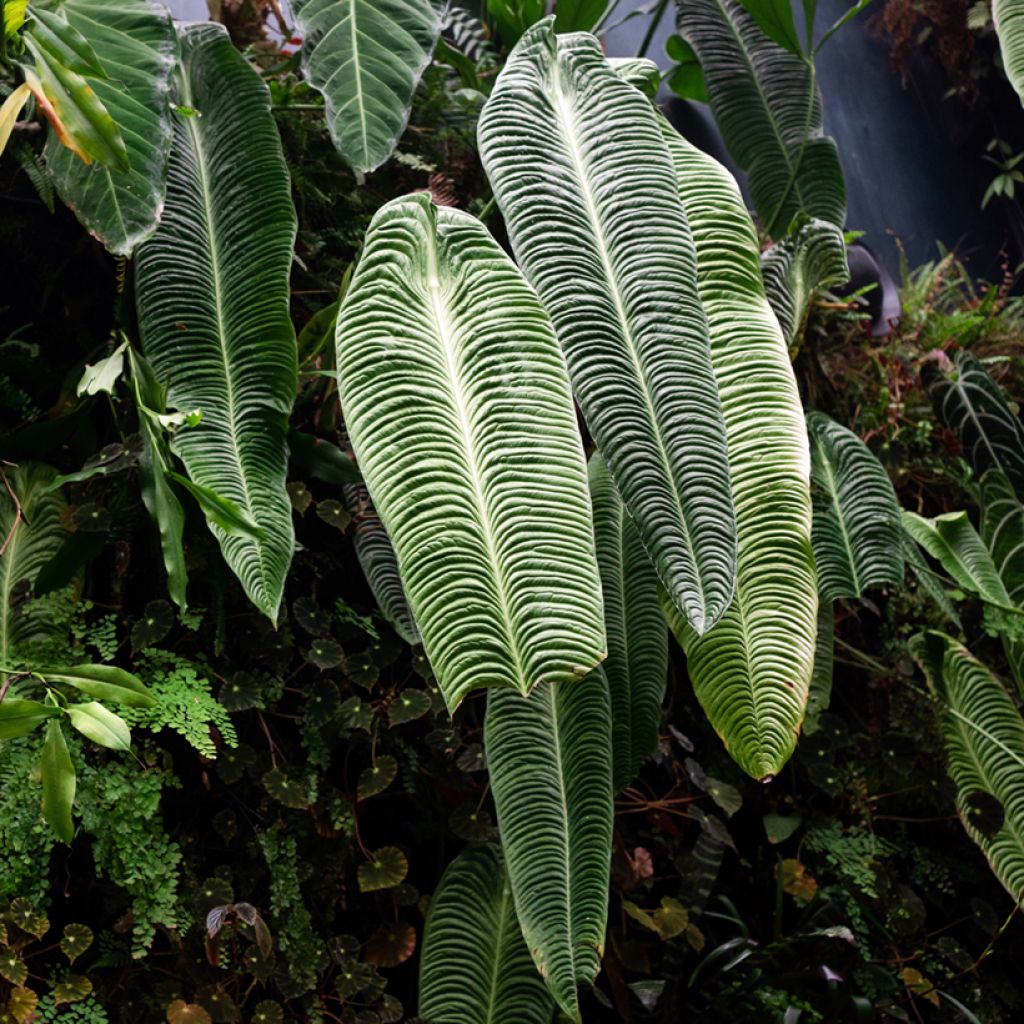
<point>659,13</point>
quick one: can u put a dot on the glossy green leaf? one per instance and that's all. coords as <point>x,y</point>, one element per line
<point>856,534</point>
<point>104,682</point>
<point>514,17</point>
<point>775,17</point>
<point>366,57</point>
<point>751,672</point>
<point>767,106</point>
<point>474,964</point>
<point>135,43</point>
<point>973,406</point>
<point>550,763</point>
<point>797,268</point>
<point>983,736</point>
<point>58,778</point>
<point>606,244</point>
<point>1008,16</point>
<point>458,406</point>
<point>686,77</point>
<point>637,663</point>
<point>212,295</point>
<point>101,725</point>
<point>20,717</point>
<point>31,539</point>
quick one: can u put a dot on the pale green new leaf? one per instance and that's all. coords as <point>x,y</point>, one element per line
<point>366,57</point>
<point>31,539</point>
<point>1008,16</point>
<point>973,406</point>
<point>550,763</point>
<point>751,672</point>
<point>458,405</point>
<point>135,43</point>
<point>856,533</point>
<point>983,736</point>
<point>585,183</point>
<point>474,964</point>
<point>768,108</point>
<point>796,268</point>
<point>101,725</point>
<point>637,664</point>
<point>212,294</point>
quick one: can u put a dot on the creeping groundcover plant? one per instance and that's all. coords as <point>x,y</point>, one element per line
<point>464,560</point>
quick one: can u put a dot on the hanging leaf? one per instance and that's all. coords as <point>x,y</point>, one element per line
<point>1002,530</point>
<point>366,57</point>
<point>58,776</point>
<point>104,682</point>
<point>856,533</point>
<point>457,402</point>
<point>550,763</point>
<point>983,736</point>
<point>820,692</point>
<point>795,269</point>
<point>212,295</point>
<point>768,108</point>
<point>973,406</point>
<point>606,245</point>
<point>134,40</point>
<point>1008,16</point>
<point>475,965</point>
<point>751,672</point>
<point>637,664</point>
<point>386,868</point>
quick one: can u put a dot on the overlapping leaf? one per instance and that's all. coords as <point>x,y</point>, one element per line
<point>983,735</point>
<point>751,672</point>
<point>366,57</point>
<point>1008,16</point>
<point>856,517</point>
<point>474,965</point>
<point>637,663</point>
<point>1002,530</point>
<point>458,405</point>
<point>550,762</point>
<point>136,45</point>
<point>585,183</point>
<point>212,295</point>
<point>768,108</point>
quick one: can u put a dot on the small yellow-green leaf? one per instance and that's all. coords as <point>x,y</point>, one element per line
<point>73,989</point>
<point>58,775</point>
<point>671,918</point>
<point>386,868</point>
<point>22,1005</point>
<point>99,724</point>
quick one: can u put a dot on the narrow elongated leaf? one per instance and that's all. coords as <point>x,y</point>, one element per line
<point>1002,530</point>
<point>550,762</point>
<point>584,180</point>
<point>212,294</point>
<point>366,57</point>
<point>104,682</point>
<point>983,735</point>
<point>856,533</point>
<point>457,402</point>
<point>58,777</point>
<point>751,672</point>
<point>379,563</point>
<point>136,46</point>
<point>796,268</point>
<point>769,111</point>
<point>1008,16</point>
<point>637,664</point>
<point>20,717</point>
<point>474,965</point>
<point>32,538</point>
<point>974,407</point>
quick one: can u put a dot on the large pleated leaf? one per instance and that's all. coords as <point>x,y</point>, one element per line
<point>856,517</point>
<point>474,964</point>
<point>212,295</point>
<point>379,563</point>
<point>973,406</point>
<point>550,763</point>
<point>983,736</point>
<point>458,405</point>
<point>1002,530</point>
<point>584,180</point>
<point>1008,16</point>
<point>824,666</point>
<point>135,42</point>
<point>637,664</point>
<point>796,268</point>
<point>31,539</point>
<point>366,57</point>
<point>768,109</point>
<point>751,672</point>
